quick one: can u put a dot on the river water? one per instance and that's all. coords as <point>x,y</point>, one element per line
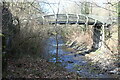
<point>71,61</point>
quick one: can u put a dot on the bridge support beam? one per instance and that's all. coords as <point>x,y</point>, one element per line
<point>103,36</point>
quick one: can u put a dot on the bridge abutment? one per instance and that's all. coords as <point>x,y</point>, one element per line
<point>97,36</point>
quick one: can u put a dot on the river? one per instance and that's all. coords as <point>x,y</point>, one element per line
<point>71,61</point>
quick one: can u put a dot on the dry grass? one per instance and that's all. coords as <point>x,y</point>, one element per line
<point>74,33</point>
<point>113,41</point>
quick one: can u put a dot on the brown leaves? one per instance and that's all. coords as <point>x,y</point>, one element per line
<point>27,67</point>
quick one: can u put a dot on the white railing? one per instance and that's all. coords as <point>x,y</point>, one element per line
<point>67,18</point>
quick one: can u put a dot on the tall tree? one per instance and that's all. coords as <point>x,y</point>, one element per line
<point>85,7</point>
<point>119,25</point>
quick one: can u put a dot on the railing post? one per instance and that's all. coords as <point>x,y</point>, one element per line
<point>67,18</point>
<point>77,19</point>
<point>95,22</point>
<point>86,23</point>
<point>43,19</point>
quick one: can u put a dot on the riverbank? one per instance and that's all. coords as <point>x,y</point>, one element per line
<point>29,67</point>
<point>72,60</point>
<point>106,58</point>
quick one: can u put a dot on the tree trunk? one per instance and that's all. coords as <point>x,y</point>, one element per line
<point>119,28</point>
<point>56,48</point>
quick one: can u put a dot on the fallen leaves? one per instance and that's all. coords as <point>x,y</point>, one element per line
<point>27,67</point>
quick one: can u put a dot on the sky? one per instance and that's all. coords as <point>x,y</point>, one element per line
<point>65,3</point>
<point>100,2</point>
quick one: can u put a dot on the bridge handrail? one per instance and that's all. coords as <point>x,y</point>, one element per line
<point>67,17</point>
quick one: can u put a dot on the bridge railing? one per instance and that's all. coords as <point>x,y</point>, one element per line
<point>62,17</point>
<point>82,19</point>
<point>91,20</point>
<point>49,18</point>
<point>65,18</point>
<point>70,18</point>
